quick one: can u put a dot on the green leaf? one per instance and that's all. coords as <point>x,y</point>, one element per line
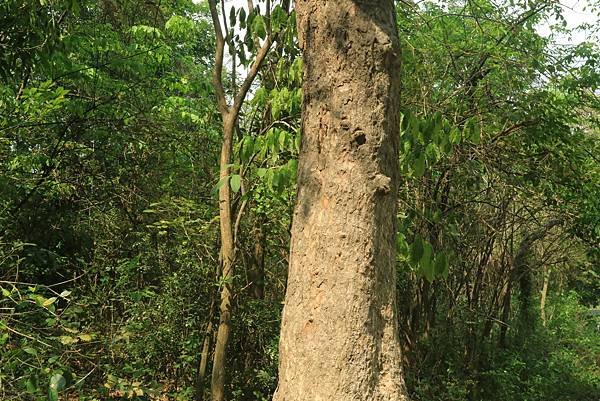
<point>180,27</point>
<point>258,26</point>
<point>441,264</point>
<point>437,125</point>
<point>30,351</point>
<point>292,166</point>
<point>5,292</point>
<point>432,152</point>
<point>278,18</point>
<point>58,382</point>
<point>260,95</point>
<point>419,165</point>
<point>276,181</point>
<point>472,131</point>
<point>402,247</point>
<point>222,181</point>
<point>235,182</point>
<point>242,18</point>
<point>426,262</point>
<point>30,387</point>
<point>282,139</point>
<point>261,172</point>
<point>67,340</point>
<point>275,106</point>
<point>455,136</point>
<point>232,20</point>
<point>49,301</point>
<point>247,149</point>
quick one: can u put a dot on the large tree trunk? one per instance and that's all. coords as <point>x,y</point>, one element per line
<point>339,337</point>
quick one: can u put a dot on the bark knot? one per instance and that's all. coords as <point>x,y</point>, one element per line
<point>382,184</point>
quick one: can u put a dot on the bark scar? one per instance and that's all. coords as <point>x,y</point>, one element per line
<point>382,184</point>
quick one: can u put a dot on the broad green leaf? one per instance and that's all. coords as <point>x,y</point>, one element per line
<point>275,107</point>
<point>30,387</point>
<point>419,165</point>
<point>402,247</point>
<point>247,149</point>
<point>222,181</point>
<point>75,8</point>
<point>261,172</point>
<point>426,262</point>
<point>432,152</point>
<point>276,181</point>
<point>258,26</point>
<point>292,166</point>
<point>441,264</point>
<point>235,182</point>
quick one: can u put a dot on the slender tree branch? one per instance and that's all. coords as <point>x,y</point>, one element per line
<point>245,87</point>
<point>217,77</point>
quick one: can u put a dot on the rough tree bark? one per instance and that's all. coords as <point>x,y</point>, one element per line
<point>339,337</point>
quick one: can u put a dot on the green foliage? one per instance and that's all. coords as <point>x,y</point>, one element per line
<point>109,142</point>
<point>494,136</point>
<point>559,362</point>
